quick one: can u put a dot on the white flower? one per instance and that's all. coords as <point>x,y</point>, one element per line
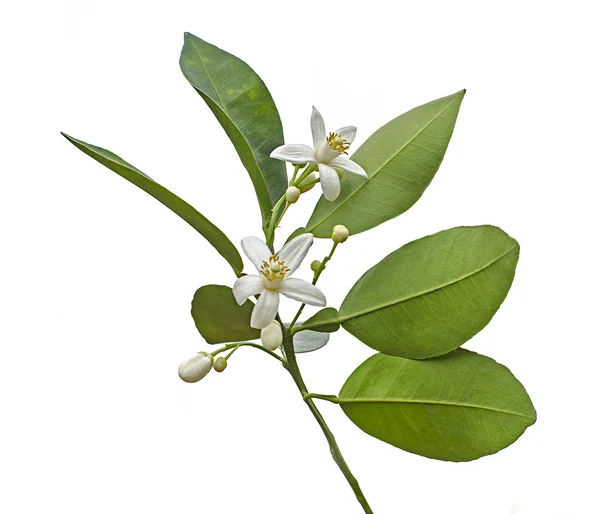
<point>274,278</point>
<point>196,368</point>
<point>327,155</point>
<point>271,336</point>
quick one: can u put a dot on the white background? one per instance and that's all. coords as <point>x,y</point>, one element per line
<point>96,276</point>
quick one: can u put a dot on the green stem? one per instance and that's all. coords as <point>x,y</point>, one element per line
<point>315,278</point>
<point>297,167</point>
<point>270,233</point>
<point>327,397</point>
<point>231,352</point>
<point>292,367</point>
<point>309,169</point>
<point>311,182</point>
<point>235,346</point>
<point>287,206</point>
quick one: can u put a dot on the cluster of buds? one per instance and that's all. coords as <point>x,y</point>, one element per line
<point>196,368</point>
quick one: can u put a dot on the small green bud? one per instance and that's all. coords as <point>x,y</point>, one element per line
<point>315,265</point>
<point>340,234</point>
<point>311,178</point>
<point>292,194</point>
<point>220,364</point>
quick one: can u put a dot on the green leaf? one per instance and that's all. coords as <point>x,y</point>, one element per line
<point>218,317</point>
<point>243,105</point>
<point>183,209</point>
<point>433,294</point>
<point>326,320</point>
<point>401,159</point>
<point>458,407</point>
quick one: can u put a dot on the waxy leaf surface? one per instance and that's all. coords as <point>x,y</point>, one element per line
<point>244,107</point>
<point>457,407</point>
<point>326,320</point>
<point>219,318</point>
<point>180,207</point>
<point>401,159</point>
<point>433,294</point>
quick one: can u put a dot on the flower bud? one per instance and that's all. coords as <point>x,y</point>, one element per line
<point>292,194</point>
<point>340,234</point>
<point>311,178</point>
<point>271,336</point>
<point>315,265</point>
<point>196,368</point>
<point>220,364</point>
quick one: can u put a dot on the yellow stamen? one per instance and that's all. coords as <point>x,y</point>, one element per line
<point>274,269</point>
<point>337,142</point>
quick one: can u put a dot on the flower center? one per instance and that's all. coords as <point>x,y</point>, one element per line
<point>274,269</point>
<point>337,142</point>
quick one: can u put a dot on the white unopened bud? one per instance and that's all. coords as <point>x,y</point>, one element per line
<point>340,233</point>
<point>196,368</point>
<point>311,178</point>
<point>292,194</point>
<point>271,336</point>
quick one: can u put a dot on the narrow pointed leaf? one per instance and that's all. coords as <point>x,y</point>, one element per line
<point>244,107</point>
<point>180,207</point>
<point>433,294</point>
<point>401,159</point>
<point>218,317</point>
<point>458,407</point>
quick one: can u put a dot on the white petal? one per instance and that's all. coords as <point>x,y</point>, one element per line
<point>347,133</point>
<point>302,291</point>
<point>295,154</point>
<point>309,341</point>
<point>257,251</point>
<point>348,165</point>
<point>330,182</point>
<point>265,309</point>
<point>293,253</point>
<point>247,286</point>
<point>317,125</point>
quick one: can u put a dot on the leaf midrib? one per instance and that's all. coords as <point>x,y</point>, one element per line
<point>342,401</point>
<point>343,319</point>
<point>382,166</point>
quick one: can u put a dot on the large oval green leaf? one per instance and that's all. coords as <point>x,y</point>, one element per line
<point>180,207</point>
<point>433,294</point>
<point>243,105</point>
<point>458,407</point>
<point>401,159</point>
<point>218,317</point>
